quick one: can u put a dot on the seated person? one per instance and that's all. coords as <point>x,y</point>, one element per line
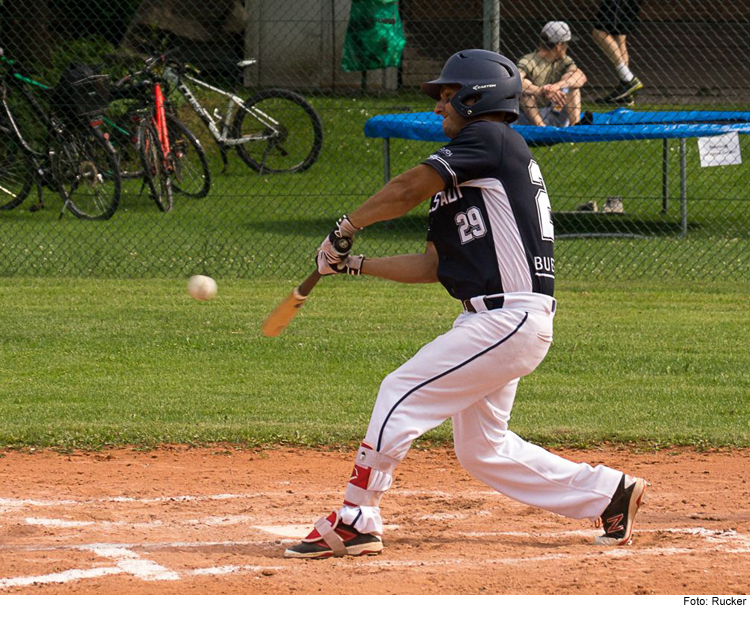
<point>551,81</point>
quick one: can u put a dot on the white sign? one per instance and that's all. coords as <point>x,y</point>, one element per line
<point>720,151</point>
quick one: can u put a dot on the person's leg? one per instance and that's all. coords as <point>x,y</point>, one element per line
<point>525,472</point>
<point>530,109</point>
<point>480,353</point>
<point>573,106</point>
<point>622,44</point>
<point>609,45</point>
<point>443,378</point>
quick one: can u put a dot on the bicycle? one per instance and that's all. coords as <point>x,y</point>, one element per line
<point>171,157</point>
<point>66,154</point>
<point>273,131</point>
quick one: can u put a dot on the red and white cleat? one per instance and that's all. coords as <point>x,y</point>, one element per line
<point>330,538</point>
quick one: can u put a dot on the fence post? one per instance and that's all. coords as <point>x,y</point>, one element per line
<point>491,19</point>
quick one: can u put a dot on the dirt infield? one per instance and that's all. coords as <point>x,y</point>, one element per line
<point>216,521</point>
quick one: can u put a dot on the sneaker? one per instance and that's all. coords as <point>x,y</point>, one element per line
<point>589,206</point>
<point>623,93</point>
<point>330,538</point>
<point>613,205</point>
<point>617,518</point>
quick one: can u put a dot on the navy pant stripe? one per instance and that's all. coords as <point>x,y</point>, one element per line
<point>442,374</point>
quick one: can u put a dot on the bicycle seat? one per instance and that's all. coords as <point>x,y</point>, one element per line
<point>247,62</point>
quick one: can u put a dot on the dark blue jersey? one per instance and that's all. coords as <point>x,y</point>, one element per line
<point>492,225</point>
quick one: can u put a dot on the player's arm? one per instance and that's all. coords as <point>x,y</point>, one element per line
<point>399,196</point>
<point>527,86</point>
<point>574,78</point>
<point>529,101</point>
<point>412,268</point>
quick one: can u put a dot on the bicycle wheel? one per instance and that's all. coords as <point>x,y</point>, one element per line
<point>84,166</point>
<point>284,132</point>
<point>191,175</point>
<point>155,166</point>
<point>16,172</point>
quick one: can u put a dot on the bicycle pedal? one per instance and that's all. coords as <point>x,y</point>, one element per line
<point>36,207</point>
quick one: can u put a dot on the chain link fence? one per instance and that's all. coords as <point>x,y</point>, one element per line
<point>648,178</point>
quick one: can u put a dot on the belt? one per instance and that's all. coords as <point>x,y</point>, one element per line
<point>518,300</point>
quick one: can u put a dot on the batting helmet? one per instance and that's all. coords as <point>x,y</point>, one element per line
<point>488,75</point>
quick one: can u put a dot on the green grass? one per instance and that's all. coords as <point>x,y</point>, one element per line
<point>87,363</point>
<point>258,226</point>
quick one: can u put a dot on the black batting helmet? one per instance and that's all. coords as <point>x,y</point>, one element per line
<point>489,75</point>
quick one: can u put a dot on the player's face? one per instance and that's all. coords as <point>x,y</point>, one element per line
<point>452,121</point>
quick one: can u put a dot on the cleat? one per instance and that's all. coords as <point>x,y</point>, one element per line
<point>623,94</point>
<point>589,206</point>
<point>613,205</point>
<point>617,519</point>
<point>331,538</point>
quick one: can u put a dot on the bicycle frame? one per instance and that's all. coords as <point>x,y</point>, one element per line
<point>22,83</point>
<point>160,121</point>
<point>222,137</point>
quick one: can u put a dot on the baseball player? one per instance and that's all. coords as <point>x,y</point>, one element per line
<point>490,244</point>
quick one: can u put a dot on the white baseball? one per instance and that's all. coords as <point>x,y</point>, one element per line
<point>202,287</point>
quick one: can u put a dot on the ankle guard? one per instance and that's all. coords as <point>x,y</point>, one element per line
<point>371,477</point>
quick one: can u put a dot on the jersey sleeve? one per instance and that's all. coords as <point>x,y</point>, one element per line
<point>466,157</point>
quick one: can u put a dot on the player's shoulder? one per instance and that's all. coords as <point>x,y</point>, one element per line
<point>484,129</point>
<point>527,60</point>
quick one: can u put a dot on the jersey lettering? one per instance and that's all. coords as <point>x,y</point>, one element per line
<point>543,205</point>
<point>544,266</point>
<point>444,197</point>
<point>470,225</point>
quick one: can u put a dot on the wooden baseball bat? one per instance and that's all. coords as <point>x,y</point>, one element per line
<point>282,315</point>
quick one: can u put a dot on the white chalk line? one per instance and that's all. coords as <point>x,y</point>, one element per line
<point>224,520</point>
<point>9,504</point>
<point>129,562</point>
<point>63,577</point>
<point>722,537</point>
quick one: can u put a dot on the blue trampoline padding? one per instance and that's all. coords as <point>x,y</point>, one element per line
<point>427,126</point>
<point>625,116</point>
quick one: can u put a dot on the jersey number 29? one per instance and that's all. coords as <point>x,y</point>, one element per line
<point>470,225</point>
<point>543,206</point>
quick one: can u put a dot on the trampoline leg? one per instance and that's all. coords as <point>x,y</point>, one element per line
<point>665,176</point>
<point>683,187</point>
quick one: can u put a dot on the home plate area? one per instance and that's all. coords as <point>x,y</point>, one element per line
<point>204,521</point>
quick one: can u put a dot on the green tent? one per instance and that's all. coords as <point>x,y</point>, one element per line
<point>374,37</point>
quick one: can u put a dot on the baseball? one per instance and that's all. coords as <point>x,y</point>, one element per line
<point>202,287</point>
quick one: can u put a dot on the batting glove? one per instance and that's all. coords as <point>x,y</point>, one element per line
<point>351,265</point>
<point>343,229</point>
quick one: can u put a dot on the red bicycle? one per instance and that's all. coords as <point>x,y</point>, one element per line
<point>156,154</point>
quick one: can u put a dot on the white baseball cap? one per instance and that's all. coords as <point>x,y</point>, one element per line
<point>556,32</point>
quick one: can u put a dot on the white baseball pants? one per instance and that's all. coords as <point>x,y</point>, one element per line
<point>471,374</point>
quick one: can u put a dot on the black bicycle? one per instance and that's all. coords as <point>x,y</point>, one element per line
<point>60,148</point>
